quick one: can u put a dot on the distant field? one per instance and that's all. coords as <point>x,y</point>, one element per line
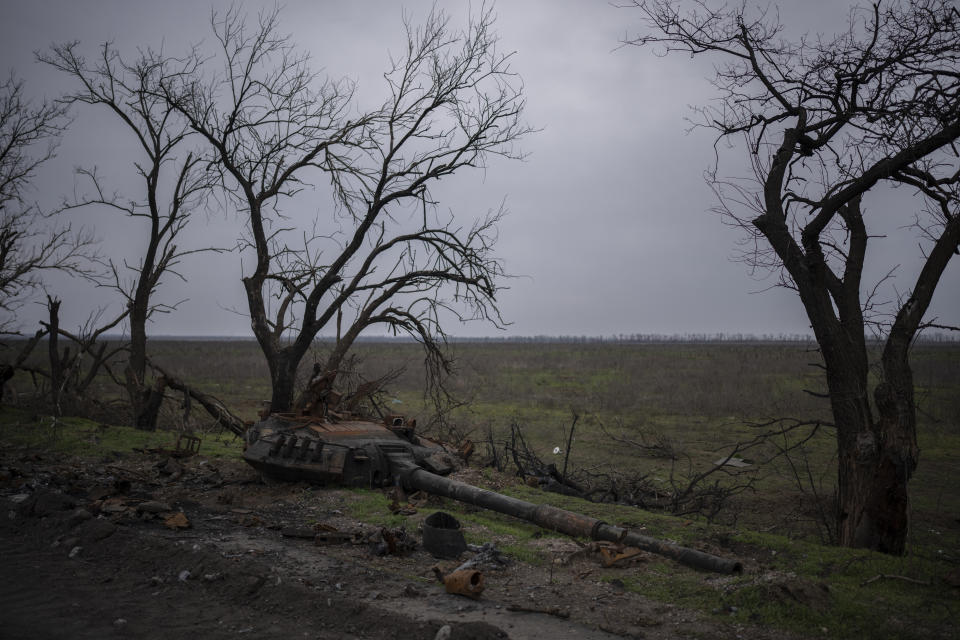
<point>643,381</point>
<point>697,399</point>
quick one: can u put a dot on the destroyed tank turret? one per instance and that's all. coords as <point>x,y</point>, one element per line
<point>324,441</point>
<point>353,453</point>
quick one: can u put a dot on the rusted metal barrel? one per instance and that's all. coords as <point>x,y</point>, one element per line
<point>572,524</point>
<point>466,582</point>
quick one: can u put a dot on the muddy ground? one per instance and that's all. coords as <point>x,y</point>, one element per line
<point>143,546</point>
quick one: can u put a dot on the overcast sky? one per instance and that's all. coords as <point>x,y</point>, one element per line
<point>609,229</point>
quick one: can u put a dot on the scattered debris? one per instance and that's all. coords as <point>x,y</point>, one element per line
<point>887,576</point>
<point>113,505</point>
<point>171,468</point>
<point>401,505</point>
<point>393,542</point>
<point>253,520</point>
<point>298,532</point>
<point>187,445</point>
<point>95,529</point>
<point>410,591</point>
<point>733,462</point>
<point>77,516</point>
<point>465,450</point>
<point>550,611</point>
<point>616,555</point>
<point>487,556</point>
<point>177,521</point>
<point>154,506</point>
<point>254,583</point>
<point>325,537</point>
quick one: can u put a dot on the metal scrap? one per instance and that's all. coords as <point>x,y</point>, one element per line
<point>612,555</point>
<point>550,611</point>
<point>177,521</point>
<point>487,555</point>
<point>187,445</point>
<point>393,542</point>
<point>462,582</point>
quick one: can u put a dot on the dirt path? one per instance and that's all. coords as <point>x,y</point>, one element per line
<point>87,554</point>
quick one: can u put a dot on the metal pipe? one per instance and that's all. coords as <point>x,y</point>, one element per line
<point>549,517</point>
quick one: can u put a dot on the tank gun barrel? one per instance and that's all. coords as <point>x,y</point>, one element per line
<point>573,524</point>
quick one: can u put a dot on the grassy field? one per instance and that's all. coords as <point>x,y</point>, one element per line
<point>700,400</point>
<point>697,401</point>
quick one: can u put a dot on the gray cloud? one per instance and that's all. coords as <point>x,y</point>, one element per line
<point>609,226</point>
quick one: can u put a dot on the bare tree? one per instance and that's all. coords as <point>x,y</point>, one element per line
<point>30,243</point>
<point>68,379</point>
<point>175,183</point>
<point>394,261</point>
<point>825,122</point>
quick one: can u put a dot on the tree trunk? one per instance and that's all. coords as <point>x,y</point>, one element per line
<point>886,507</point>
<point>6,372</point>
<point>145,400</point>
<point>283,377</point>
<point>217,409</point>
<point>53,348</point>
<point>147,406</point>
<point>873,476</point>
<point>876,456</point>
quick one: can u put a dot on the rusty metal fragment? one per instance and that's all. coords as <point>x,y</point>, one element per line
<point>466,582</point>
<point>177,521</point>
<point>612,556</point>
<point>186,446</point>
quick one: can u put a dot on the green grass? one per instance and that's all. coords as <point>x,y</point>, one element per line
<point>82,437</point>
<point>371,507</point>
<point>840,595</point>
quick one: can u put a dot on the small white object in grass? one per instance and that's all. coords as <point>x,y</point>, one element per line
<point>556,450</point>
